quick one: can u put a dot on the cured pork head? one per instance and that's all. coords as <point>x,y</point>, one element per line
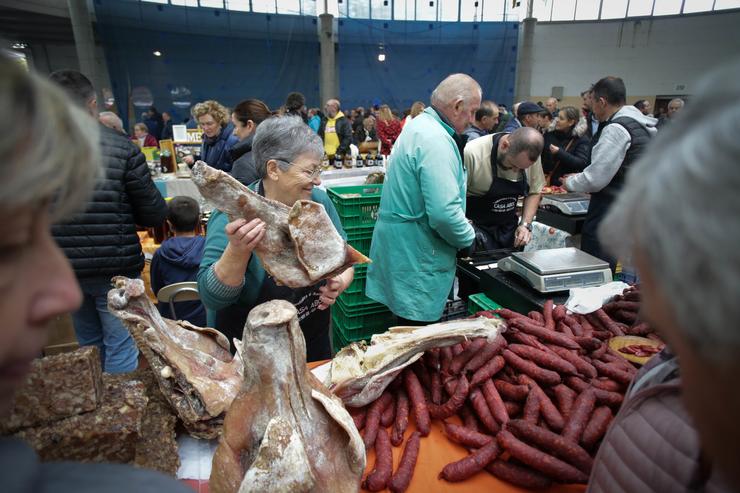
<point>193,366</point>
<point>285,432</point>
<point>301,245</point>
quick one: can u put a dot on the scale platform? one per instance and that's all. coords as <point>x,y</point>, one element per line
<point>557,269</point>
<point>572,204</point>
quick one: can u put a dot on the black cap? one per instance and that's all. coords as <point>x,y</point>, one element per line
<point>528,107</point>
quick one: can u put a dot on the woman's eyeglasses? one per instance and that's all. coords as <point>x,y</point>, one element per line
<point>310,174</point>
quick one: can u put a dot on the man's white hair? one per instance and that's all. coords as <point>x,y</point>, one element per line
<point>680,102</point>
<point>679,212</point>
<point>456,87</point>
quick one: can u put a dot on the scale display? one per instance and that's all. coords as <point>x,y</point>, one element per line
<point>572,204</point>
<point>558,269</point>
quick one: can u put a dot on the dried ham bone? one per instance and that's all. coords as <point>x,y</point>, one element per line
<point>359,373</point>
<point>301,245</point>
<point>193,366</point>
<point>285,431</point>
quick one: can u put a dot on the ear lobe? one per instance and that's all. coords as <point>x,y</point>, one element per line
<point>272,168</point>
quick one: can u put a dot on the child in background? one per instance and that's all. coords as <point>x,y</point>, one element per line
<point>178,258</point>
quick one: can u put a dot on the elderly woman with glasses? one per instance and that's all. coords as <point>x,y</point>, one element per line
<point>231,280</point>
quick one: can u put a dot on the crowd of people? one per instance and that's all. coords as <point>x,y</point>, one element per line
<point>663,199</point>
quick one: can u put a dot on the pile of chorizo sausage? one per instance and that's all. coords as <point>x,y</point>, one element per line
<point>533,403</point>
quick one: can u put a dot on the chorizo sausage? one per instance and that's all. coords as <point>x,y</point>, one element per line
<point>402,418</point>
<point>559,313</point>
<point>389,413</point>
<point>574,325</point>
<point>445,358</point>
<point>547,377</point>
<point>470,465</point>
<point>581,365</point>
<point>549,412</point>
<point>512,409</point>
<point>582,409</point>
<point>521,476</point>
<point>453,404</point>
<point>549,322</point>
<point>527,339</point>
<point>546,335</point>
<point>372,421</point>
<point>531,412</point>
<point>380,475</point>
<point>613,371</point>
<point>480,406</point>
<point>418,403</point>
<point>402,477</point>
<point>565,329</point>
<point>359,414</point>
<point>596,427</point>
<point>494,401</point>
<point>508,315</point>
<point>544,359</point>
<point>541,461</point>
<point>459,361</point>
<point>468,417</point>
<point>488,351</point>
<point>511,391</point>
<point>558,445</point>
<point>536,317</point>
<point>487,371</point>
<point>602,396</point>
<point>564,397</point>
<point>465,436</point>
<point>606,384</point>
<point>436,390</point>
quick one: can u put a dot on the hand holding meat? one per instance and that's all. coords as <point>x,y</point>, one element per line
<point>244,236</point>
<point>330,292</point>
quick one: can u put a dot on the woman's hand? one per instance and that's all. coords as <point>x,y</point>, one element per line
<point>245,236</point>
<point>554,149</point>
<point>330,291</point>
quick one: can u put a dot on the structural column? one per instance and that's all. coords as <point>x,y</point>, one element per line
<point>328,80</point>
<point>85,45</point>
<point>525,59</point>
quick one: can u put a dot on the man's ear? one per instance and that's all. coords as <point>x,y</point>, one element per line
<point>92,106</point>
<point>504,142</point>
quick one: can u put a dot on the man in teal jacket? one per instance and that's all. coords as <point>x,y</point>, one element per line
<point>421,222</point>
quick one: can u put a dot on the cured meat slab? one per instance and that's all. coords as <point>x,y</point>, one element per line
<point>301,245</point>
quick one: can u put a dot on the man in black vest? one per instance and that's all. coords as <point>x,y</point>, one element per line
<point>622,136</point>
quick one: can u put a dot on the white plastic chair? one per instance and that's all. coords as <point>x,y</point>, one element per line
<point>179,291</point>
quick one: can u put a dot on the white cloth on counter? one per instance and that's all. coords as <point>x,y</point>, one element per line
<point>587,300</point>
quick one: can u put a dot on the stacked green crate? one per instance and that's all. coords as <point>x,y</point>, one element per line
<point>481,303</point>
<point>356,317</point>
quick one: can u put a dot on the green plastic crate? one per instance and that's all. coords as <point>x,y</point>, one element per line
<point>355,294</point>
<point>360,322</point>
<point>361,209</point>
<point>360,239</point>
<point>480,302</point>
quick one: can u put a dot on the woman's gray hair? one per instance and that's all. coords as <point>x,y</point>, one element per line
<point>284,138</point>
<point>49,147</point>
<point>678,212</point>
<point>456,87</point>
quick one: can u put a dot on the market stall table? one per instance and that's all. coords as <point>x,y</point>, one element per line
<point>171,185</point>
<point>436,451</point>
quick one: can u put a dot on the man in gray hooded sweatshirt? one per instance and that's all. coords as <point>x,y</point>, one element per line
<point>623,134</point>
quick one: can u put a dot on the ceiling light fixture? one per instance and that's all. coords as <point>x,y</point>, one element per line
<point>19,46</point>
<point>157,53</point>
<point>381,57</point>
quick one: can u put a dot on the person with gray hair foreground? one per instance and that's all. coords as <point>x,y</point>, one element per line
<point>676,221</point>
<point>231,280</point>
<point>500,170</point>
<point>421,220</point>
<point>111,120</point>
<point>37,282</point>
<point>674,107</point>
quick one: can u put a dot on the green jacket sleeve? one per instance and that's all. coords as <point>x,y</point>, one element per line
<point>442,195</point>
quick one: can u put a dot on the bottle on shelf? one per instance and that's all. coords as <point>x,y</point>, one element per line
<point>325,162</point>
<point>167,162</point>
<point>338,158</point>
<point>347,161</point>
<point>360,161</point>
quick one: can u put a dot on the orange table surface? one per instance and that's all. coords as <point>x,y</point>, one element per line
<point>435,452</point>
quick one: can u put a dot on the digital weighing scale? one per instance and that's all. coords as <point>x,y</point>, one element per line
<point>571,204</point>
<point>557,269</point>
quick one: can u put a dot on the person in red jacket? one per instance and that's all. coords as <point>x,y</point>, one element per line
<point>388,128</point>
<point>143,137</point>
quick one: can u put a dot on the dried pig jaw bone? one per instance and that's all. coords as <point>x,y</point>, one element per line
<point>301,245</point>
<point>278,385</point>
<point>200,355</point>
<point>359,375</point>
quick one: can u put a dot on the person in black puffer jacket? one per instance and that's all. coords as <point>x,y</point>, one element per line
<point>246,117</point>
<point>102,241</point>
<point>567,147</point>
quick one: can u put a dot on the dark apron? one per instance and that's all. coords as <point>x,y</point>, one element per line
<point>314,322</point>
<point>494,214</point>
